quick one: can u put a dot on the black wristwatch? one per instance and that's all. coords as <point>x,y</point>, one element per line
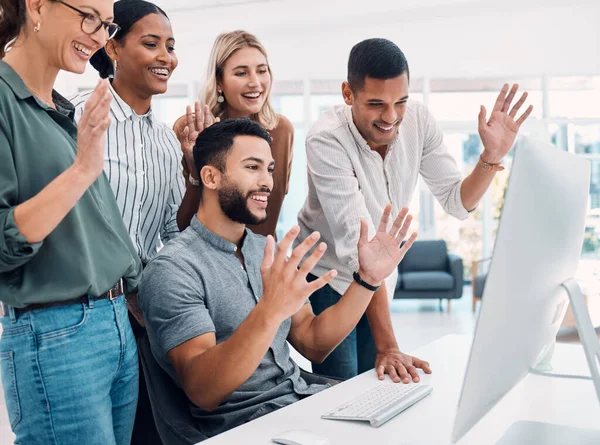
<point>364,284</point>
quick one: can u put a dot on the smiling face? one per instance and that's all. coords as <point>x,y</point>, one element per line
<point>246,185</point>
<point>61,36</point>
<point>378,108</point>
<point>246,82</point>
<point>146,55</point>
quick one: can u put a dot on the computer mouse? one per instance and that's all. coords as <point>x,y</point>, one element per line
<point>300,437</point>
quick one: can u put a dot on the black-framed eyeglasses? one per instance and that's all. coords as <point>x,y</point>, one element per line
<point>91,23</point>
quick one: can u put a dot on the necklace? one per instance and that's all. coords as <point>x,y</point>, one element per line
<point>40,97</point>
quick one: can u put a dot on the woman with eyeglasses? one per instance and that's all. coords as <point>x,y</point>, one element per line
<point>238,84</point>
<point>142,156</point>
<point>68,357</point>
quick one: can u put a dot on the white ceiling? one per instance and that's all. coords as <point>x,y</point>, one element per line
<point>196,5</point>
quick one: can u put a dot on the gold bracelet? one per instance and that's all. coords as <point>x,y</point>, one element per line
<point>489,167</point>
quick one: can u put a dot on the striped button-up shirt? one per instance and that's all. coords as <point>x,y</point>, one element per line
<point>142,161</point>
<point>348,181</point>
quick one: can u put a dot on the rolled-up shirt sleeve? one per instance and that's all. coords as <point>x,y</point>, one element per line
<point>439,170</point>
<point>337,188</point>
<point>15,250</point>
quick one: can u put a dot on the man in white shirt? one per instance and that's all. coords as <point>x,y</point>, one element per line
<point>360,158</point>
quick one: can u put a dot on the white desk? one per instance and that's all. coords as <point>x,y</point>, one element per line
<point>430,421</point>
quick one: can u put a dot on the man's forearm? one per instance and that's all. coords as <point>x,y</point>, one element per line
<point>335,323</point>
<point>474,187</point>
<point>212,376</point>
<point>189,205</point>
<point>380,321</point>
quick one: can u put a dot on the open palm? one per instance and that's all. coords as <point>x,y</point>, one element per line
<point>498,134</point>
<point>188,129</point>
<point>378,257</point>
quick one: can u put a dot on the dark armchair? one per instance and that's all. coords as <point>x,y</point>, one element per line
<point>429,271</point>
<point>170,405</point>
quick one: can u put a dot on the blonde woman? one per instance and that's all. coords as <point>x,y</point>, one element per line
<point>239,81</point>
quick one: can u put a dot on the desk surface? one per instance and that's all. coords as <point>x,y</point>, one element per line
<point>430,421</point>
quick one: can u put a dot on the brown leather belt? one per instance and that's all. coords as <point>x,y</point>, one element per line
<point>113,293</point>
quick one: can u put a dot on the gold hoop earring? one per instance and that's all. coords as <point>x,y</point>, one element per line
<point>37,27</point>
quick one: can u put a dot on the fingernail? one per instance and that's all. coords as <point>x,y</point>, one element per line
<point>322,246</point>
<point>314,235</point>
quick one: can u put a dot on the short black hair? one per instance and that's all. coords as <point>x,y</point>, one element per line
<point>214,143</point>
<point>127,13</point>
<point>375,58</point>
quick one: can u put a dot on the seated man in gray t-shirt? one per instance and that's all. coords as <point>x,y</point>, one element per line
<point>220,302</point>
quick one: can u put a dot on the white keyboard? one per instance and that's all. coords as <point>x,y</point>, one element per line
<point>381,403</point>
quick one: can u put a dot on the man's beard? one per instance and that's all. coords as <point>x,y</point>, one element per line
<point>235,204</point>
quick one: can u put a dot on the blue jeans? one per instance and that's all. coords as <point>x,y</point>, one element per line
<point>356,354</point>
<point>70,374</point>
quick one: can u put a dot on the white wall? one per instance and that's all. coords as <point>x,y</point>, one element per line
<point>441,38</point>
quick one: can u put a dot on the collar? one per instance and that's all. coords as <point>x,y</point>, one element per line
<point>360,140</point>
<point>213,239</point>
<point>14,81</point>
<point>123,111</point>
<point>20,90</point>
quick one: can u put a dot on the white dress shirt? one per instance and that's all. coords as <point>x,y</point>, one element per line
<point>142,161</point>
<point>347,181</point>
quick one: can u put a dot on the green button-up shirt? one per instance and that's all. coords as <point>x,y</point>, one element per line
<point>90,250</point>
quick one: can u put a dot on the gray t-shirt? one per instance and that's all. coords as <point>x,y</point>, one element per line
<point>196,285</point>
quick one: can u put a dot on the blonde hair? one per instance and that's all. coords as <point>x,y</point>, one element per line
<point>225,45</point>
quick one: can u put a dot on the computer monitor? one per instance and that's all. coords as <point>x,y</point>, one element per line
<point>537,249</point>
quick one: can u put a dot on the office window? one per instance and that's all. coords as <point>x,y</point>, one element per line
<point>292,107</point>
<point>289,105</point>
<point>321,103</point>
<point>585,138</point>
<point>168,109</point>
<point>591,241</point>
<point>460,99</point>
<point>298,189</point>
<point>559,135</point>
<point>464,238</point>
<point>417,97</point>
<point>464,106</point>
<point>574,97</point>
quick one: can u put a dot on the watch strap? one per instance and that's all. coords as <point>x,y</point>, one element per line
<point>364,284</point>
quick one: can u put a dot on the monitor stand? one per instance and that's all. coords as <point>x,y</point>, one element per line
<point>587,333</point>
<point>527,432</point>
